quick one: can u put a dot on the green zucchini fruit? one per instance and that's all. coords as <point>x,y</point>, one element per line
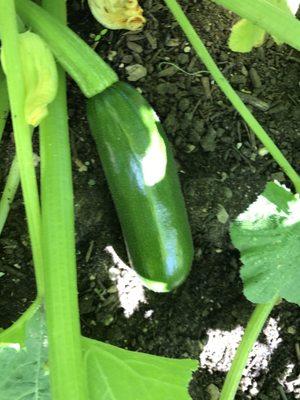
<point>142,178</point>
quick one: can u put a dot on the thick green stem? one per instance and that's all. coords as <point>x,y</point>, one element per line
<point>10,47</point>
<point>56,8</point>
<point>253,329</point>
<point>90,72</point>
<point>68,379</point>
<point>204,55</point>
<point>10,190</point>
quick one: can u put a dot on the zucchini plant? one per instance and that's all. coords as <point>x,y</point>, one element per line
<point>47,336</point>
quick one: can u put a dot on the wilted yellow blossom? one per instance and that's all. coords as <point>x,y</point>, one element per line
<point>118,14</point>
<point>40,76</point>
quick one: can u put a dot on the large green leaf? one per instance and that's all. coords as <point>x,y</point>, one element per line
<point>117,374</point>
<point>24,371</point>
<point>268,237</point>
<point>269,15</point>
<point>112,373</point>
<point>245,35</point>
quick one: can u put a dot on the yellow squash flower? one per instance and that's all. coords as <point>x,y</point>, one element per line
<point>118,14</point>
<point>40,76</point>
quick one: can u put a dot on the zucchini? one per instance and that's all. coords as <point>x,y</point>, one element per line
<point>142,178</point>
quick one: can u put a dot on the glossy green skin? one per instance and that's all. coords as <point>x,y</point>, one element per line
<point>153,218</point>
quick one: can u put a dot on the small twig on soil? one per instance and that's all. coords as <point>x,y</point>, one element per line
<point>250,134</point>
<point>13,271</point>
<point>206,86</point>
<point>296,59</point>
<point>254,101</point>
<point>294,101</point>
<point>196,107</point>
<point>155,55</point>
<point>89,251</point>
<point>198,73</point>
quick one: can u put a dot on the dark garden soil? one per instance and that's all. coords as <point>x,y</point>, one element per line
<point>221,173</point>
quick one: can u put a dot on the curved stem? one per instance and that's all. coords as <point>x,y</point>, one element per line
<point>10,190</point>
<point>16,332</point>
<point>205,57</point>
<point>4,103</point>
<point>68,380</point>
<point>22,135</point>
<point>253,329</point>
